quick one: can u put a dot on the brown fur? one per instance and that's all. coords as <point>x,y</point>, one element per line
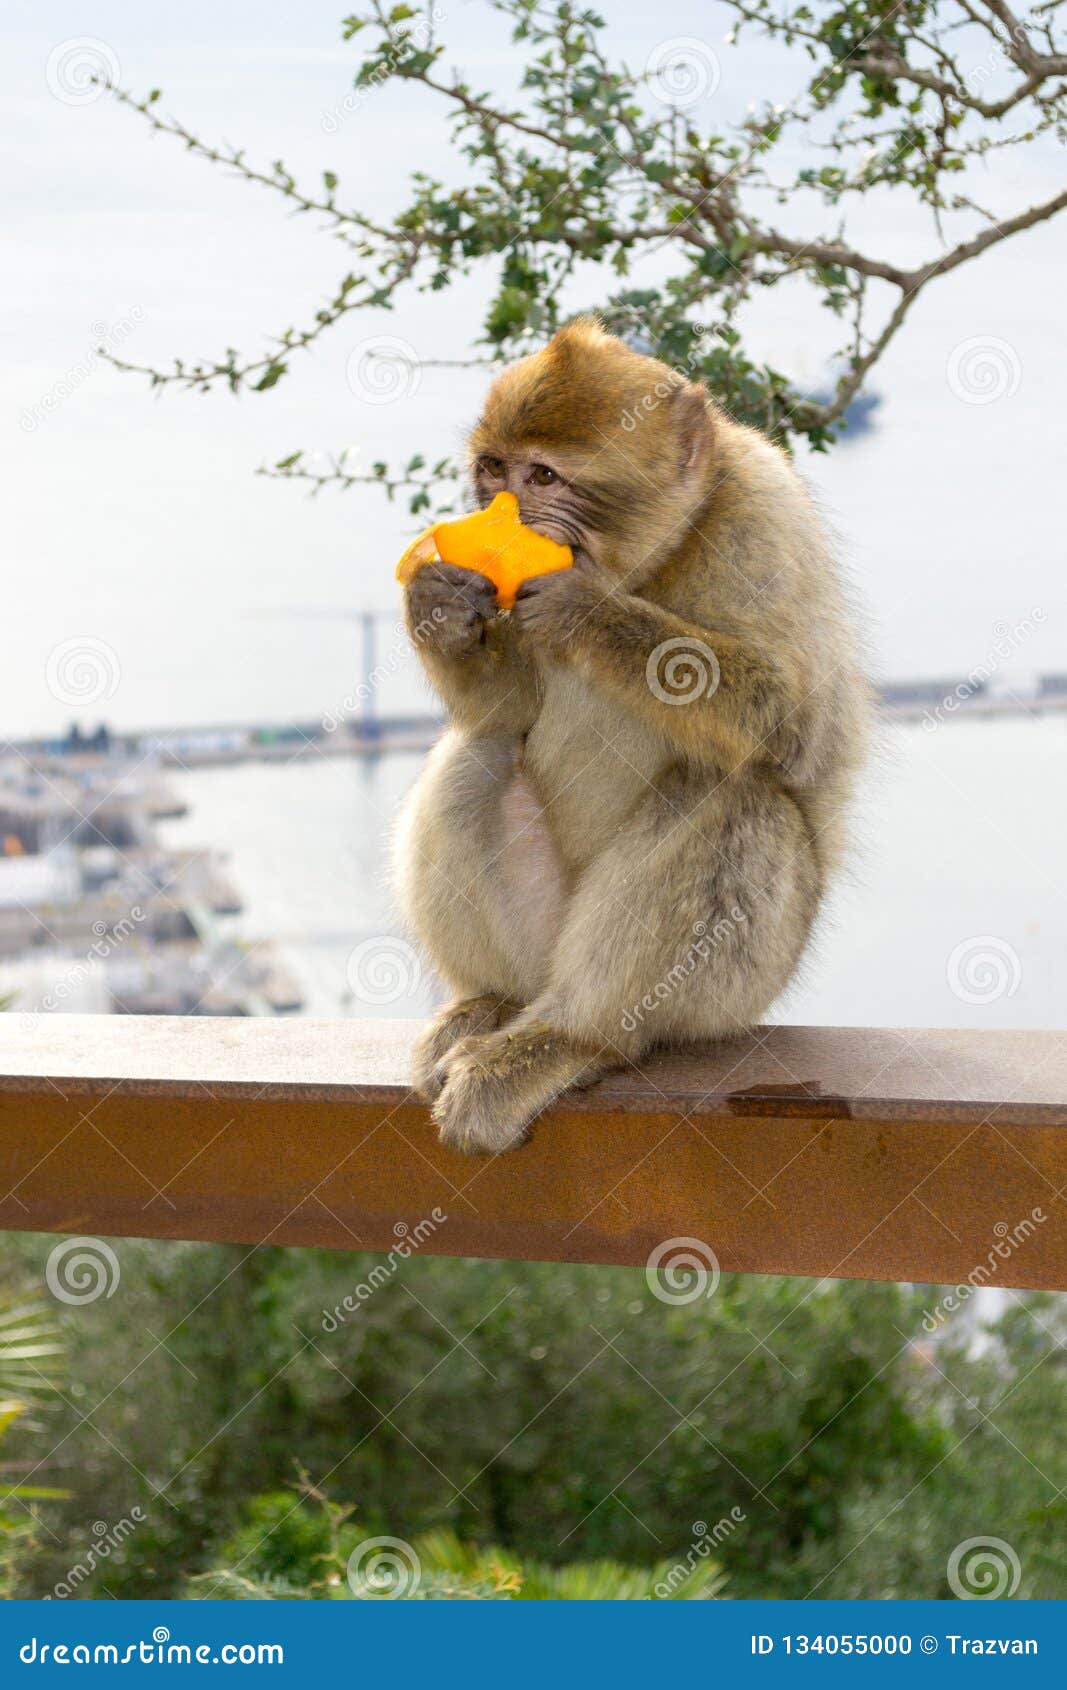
<point>575,838</point>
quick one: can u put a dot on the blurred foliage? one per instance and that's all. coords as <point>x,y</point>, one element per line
<point>30,1355</point>
<point>550,1416</point>
<point>31,1346</point>
<point>306,1547</point>
<point>562,188</point>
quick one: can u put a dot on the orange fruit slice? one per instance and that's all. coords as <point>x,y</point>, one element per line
<point>494,543</point>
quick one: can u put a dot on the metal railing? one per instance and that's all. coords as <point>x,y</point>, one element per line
<point>852,1153</point>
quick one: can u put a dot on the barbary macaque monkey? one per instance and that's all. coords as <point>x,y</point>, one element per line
<point>624,836</point>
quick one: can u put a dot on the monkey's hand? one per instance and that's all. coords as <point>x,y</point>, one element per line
<point>448,609</point>
<point>553,610</point>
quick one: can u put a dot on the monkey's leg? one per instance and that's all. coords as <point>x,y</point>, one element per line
<point>495,1085</point>
<point>477,877</point>
<point>451,861</point>
<point>464,1018</point>
<point>686,928</point>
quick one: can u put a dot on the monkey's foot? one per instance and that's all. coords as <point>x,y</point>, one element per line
<point>497,1084</point>
<point>459,1020</point>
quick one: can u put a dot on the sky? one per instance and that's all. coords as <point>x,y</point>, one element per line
<point>135,525</point>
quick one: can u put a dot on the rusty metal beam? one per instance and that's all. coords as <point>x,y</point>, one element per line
<point>852,1153</point>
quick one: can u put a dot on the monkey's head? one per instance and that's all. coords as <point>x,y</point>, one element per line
<point>605,449</point>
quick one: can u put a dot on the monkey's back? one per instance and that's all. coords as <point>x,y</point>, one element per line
<point>760,565</point>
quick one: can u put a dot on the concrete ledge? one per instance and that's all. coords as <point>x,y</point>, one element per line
<point>854,1153</point>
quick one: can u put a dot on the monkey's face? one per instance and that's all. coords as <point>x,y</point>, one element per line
<point>604,449</point>
<point>548,500</point>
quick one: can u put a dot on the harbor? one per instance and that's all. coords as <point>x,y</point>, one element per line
<point>365,733</point>
<point>112,900</point>
<point>97,915</point>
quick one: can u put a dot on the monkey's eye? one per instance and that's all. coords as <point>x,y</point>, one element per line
<point>542,476</point>
<point>494,468</point>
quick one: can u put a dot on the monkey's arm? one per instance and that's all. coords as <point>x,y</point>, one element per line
<point>470,653</point>
<point>708,691</point>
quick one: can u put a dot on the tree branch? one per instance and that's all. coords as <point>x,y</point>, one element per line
<point>987,238</point>
<point>587,168</point>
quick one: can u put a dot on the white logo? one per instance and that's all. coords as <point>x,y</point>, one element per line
<point>682,71</point>
<point>78,70</point>
<point>983,969</point>
<point>383,1568</point>
<point>681,670</point>
<point>383,369</point>
<point>984,1569</point>
<point>83,670</point>
<point>382,970</point>
<point>80,1270</point>
<point>682,1270</point>
<point>983,369</point>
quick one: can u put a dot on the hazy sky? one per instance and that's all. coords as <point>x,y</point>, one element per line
<point>137,521</point>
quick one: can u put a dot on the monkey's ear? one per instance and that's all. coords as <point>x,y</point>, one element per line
<point>693,427</point>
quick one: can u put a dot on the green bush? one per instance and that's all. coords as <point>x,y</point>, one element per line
<point>562,1415</point>
<point>307,1548</point>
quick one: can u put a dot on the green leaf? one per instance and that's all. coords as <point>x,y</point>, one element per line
<point>271,376</point>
